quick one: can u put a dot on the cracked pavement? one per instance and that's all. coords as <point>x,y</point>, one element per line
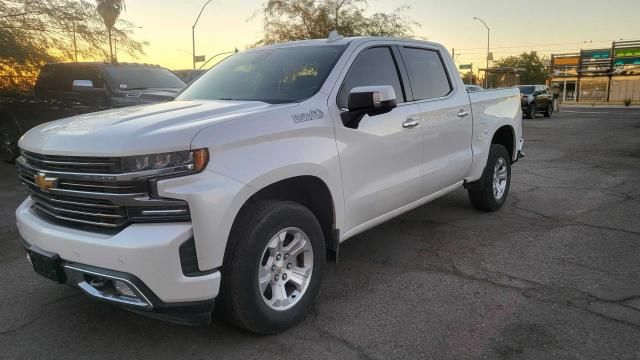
<point>555,274</point>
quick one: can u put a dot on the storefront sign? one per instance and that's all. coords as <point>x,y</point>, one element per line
<point>566,61</point>
<point>628,52</point>
<point>596,54</point>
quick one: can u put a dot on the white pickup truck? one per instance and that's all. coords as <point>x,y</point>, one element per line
<point>237,192</point>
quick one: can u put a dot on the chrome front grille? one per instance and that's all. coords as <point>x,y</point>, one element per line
<point>98,200</point>
<point>100,165</point>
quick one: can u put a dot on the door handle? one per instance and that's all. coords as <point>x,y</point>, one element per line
<point>463,113</point>
<point>410,123</point>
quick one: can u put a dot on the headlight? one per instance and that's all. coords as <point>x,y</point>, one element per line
<point>189,160</point>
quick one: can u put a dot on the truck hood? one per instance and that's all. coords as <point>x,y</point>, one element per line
<point>136,130</point>
<point>146,96</point>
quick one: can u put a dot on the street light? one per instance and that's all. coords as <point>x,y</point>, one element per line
<point>235,51</point>
<point>486,72</point>
<point>193,33</point>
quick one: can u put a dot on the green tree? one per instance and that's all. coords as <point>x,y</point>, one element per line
<point>534,72</point>
<point>36,32</point>
<point>288,20</point>
<point>469,78</point>
<point>110,10</point>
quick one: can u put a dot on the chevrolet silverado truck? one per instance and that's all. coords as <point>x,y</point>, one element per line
<point>235,194</point>
<point>67,89</point>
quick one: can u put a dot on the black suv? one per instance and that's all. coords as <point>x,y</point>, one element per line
<point>69,89</point>
<point>536,99</point>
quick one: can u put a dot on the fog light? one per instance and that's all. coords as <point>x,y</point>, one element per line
<point>123,289</point>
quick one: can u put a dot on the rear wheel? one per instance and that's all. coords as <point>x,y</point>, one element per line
<point>274,266</point>
<point>495,181</point>
<point>9,135</point>
<point>549,110</point>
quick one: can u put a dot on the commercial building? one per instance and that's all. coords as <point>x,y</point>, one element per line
<point>609,75</point>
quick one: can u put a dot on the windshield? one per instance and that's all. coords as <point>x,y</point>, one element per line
<point>140,77</point>
<point>273,76</point>
<point>527,89</point>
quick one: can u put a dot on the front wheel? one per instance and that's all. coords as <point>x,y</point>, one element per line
<point>549,110</point>
<point>274,266</point>
<point>495,181</point>
<point>9,135</point>
<point>531,111</point>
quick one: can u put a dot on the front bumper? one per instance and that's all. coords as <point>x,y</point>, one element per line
<point>99,284</point>
<point>148,253</point>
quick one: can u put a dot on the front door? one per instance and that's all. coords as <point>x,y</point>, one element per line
<point>381,160</point>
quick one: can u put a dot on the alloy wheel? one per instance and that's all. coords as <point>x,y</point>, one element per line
<point>285,269</point>
<point>500,177</point>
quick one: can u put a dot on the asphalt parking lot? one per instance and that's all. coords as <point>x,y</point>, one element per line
<point>554,275</point>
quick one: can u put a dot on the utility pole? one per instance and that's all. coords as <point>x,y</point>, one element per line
<point>193,33</point>
<point>75,45</point>
<point>486,73</point>
<point>74,29</point>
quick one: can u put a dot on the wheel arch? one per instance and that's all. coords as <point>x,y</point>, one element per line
<point>310,191</point>
<point>7,116</point>
<point>506,136</point>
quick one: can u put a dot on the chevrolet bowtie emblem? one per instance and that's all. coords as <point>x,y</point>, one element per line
<point>45,183</point>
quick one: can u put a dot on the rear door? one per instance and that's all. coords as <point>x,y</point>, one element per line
<point>381,160</point>
<point>49,87</point>
<point>445,115</point>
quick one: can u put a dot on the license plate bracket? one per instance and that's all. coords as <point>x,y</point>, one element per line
<point>47,264</point>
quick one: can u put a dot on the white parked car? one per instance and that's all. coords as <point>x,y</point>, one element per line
<point>235,193</point>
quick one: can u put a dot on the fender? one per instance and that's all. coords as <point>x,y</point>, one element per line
<point>492,114</point>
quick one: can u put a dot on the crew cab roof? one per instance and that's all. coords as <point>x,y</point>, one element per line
<point>342,41</point>
<point>100,64</point>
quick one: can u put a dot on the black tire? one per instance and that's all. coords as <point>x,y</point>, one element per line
<point>9,136</point>
<point>549,111</point>
<point>483,197</point>
<point>241,301</point>
<point>531,111</point>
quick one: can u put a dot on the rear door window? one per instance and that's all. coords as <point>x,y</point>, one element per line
<point>88,73</point>
<point>427,73</point>
<point>51,78</point>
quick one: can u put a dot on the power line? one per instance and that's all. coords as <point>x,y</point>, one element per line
<point>541,45</point>
<point>519,52</point>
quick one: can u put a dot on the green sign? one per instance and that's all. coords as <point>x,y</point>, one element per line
<point>628,52</point>
<point>465,66</point>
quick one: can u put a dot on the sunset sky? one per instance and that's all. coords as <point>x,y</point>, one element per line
<point>516,26</point>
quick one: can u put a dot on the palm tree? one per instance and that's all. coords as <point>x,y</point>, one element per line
<point>109,10</point>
